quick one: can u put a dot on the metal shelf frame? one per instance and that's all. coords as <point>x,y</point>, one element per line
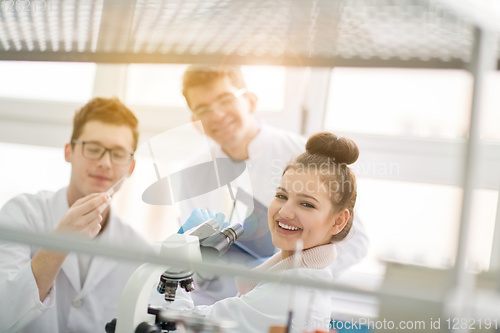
<point>316,33</point>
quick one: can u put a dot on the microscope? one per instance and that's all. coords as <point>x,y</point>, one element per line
<point>204,242</point>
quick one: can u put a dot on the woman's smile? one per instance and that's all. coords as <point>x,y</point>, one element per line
<point>286,228</point>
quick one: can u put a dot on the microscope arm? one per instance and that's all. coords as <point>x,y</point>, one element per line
<point>132,309</point>
<point>133,306</point>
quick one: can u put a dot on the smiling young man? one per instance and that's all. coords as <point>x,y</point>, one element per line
<point>231,123</point>
<point>219,98</point>
<point>45,291</point>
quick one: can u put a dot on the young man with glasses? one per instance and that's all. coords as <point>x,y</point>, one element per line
<point>46,291</point>
<point>218,97</point>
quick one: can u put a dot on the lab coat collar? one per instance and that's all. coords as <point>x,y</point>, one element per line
<point>70,264</point>
<point>61,206</point>
<point>71,270</point>
<point>99,266</point>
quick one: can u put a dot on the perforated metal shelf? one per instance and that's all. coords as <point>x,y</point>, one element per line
<point>404,33</point>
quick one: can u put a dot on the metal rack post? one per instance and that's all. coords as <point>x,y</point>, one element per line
<point>483,61</point>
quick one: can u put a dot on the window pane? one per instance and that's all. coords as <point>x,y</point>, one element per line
<point>419,223</point>
<point>30,169</point>
<point>268,83</point>
<point>410,222</point>
<point>156,85</point>
<point>54,81</point>
<point>484,203</point>
<point>161,85</point>
<point>490,124</point>
<point>405,102</point>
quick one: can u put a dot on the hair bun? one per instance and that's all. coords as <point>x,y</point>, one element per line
<point>341,150</point>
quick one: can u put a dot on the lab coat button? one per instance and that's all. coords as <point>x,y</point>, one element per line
<point>77,303</point>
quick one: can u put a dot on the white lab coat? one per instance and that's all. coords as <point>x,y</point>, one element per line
<point>269,302</point>
<point>269,152</point>
<point>67,307</point>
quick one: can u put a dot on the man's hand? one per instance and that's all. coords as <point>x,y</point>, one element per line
<point>198,216</point>
<point>84,217</point>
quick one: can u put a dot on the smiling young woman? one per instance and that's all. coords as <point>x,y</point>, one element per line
<point>316,196</point>
<point>314,203</point>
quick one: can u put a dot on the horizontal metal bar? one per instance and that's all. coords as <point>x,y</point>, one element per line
<point>174,58</point>
<point>71,244</point>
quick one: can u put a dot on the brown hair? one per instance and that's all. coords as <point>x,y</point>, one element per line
<point>107,110</point>
<point>331,155</point>
<point>201,75</point>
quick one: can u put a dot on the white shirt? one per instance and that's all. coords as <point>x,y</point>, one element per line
<point>70,306</point>
<point>269,302</point>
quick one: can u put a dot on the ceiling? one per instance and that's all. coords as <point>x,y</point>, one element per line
<point>375,33</point>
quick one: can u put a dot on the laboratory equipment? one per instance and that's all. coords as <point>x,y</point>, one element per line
<point>204,242</point>
<point>184,321</point>
<point>117,185</point>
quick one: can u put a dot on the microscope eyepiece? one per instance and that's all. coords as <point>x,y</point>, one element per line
<point>217,244</point>
<point>213,243</point>
<point>233,232</point>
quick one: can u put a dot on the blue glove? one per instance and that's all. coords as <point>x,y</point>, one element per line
<point>200,215</point>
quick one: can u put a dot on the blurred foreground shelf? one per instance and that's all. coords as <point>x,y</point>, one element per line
<point>324,33</point>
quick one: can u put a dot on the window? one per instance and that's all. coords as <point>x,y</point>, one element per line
<point>409,222</point>
<point>30,169</point>
<point>484,204</point>
<point>400,102</point>
<point>51,81</point>
<point>419,223</point>
<point>268,83</point>
<point>406,220</point>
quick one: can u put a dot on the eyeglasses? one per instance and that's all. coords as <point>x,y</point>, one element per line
<point>95,151</point>
<point>225,103</point>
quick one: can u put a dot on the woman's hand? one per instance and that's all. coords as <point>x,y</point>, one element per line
<point>200,215</point>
